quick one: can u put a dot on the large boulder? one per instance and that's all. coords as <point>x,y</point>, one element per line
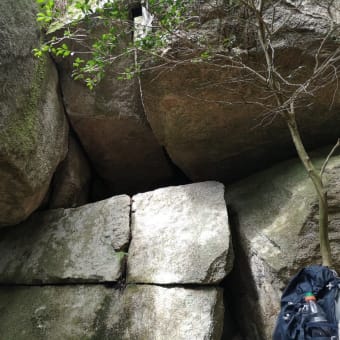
<point>111,125</point>
<point>207,116</point>
<point>180,235</point>
<point>33,128</point>
<point>275,219</point>
<point>85,244</point>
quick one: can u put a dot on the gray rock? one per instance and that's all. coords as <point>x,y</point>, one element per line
<point>180,235</point>
<point>71,183</point>
<point>85,244</point>
<point>33,128</point>
<point>160,313</point>
<point>95,312</point>
<point>57,312</point>
<point>276,222</point>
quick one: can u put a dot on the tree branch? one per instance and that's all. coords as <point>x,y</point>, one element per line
<point>329,157</point>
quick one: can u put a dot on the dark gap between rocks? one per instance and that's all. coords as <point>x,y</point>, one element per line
<point>136,11</point>
<point>72,134</point>
<point>174,285</point>
<point>180,178</point>
<point>102,189</point>
<point>240,296</point>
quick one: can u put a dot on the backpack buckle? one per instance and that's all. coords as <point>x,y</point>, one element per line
<point>330,286</point>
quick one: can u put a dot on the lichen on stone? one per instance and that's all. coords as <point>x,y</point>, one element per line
<point>20,135</point>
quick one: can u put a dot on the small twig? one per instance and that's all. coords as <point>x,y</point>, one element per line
<point>329,156</point>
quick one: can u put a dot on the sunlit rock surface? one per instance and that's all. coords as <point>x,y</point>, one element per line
<point>85,244</point>
<point>180,235</point>
<point>97,312</point>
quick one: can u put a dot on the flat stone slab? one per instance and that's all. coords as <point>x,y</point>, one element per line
<point>161,313</point>
<point>56,312</point>
<point>95,312</point>
<point>180,235</point>
<point>86,244</point>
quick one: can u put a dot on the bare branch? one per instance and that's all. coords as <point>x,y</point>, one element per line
<point>328,157</point>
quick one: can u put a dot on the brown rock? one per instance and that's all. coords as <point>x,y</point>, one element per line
<point>71,183</point>
<point>210,140</point>
<point>198,113</point>
<point>111,125</point>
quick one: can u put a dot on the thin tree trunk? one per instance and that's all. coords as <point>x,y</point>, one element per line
<point>273,83</point>
<point>325,248</point>
<point>316,178</point>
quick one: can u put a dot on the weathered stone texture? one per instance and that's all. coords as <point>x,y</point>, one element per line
<point>88,245</point>
<point>71,182</point>
<point>98,313</point>
<point>33,128</point>
<point>111,125</point>
<point>180,235</point>
<point>198,112</point>
<point>276,223</point>
<point>57,312</point>
<point>85,244</point>
<point>160,313</point>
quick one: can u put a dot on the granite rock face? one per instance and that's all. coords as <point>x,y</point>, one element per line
<point>180,235</point>
<point>275,217</point>
<point>71,182</point>
<point>85,244</point>
<point>33,128</point>
<point>97,312</point>
<point>198,112</point>
<point>88,244</point>
<point>160,313</point>
<point>57,312</point>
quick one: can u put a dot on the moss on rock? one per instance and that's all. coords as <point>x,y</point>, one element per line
<point>33,128</point>
<point>21,134</point>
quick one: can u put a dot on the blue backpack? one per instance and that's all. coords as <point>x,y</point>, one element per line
<point>293,323</point>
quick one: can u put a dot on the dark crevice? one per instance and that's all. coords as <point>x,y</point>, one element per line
<point>136,11</point>
<point>102,188</point>
<point>180,177</point>
<point>240,290</point>
<point>71,134</point>
<point>123,280</point>
<point>175,285</point>
<point>115,285</point>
